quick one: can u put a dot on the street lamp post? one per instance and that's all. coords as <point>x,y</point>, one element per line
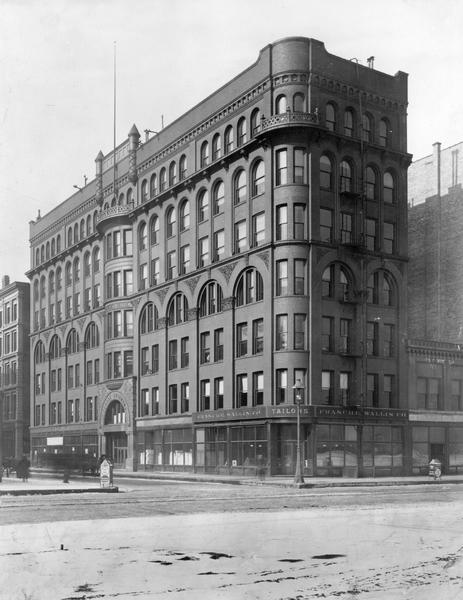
<point>298,388</point>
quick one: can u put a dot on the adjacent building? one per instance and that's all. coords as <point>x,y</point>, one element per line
<point>14,369</point>
<point>435,307</point>
<point>251,253</point>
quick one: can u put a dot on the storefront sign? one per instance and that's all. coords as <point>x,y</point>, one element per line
<point>54,441</point>
<point>283,411</point>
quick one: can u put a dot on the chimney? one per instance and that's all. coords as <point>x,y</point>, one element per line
<point>5,281</point>
<point>437,165</point>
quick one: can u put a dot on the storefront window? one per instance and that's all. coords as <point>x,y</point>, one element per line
<point>382,446</point>
<point>248,446</point>
<point>336,448</point>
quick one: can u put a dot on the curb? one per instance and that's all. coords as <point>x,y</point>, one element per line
<point>49,491</point>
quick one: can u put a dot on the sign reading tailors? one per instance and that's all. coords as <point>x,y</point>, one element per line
<point>106,474</point>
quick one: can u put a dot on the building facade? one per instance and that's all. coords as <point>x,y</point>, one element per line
<point>14,369</point>
<point>256,245</point>
<point>435,308</point>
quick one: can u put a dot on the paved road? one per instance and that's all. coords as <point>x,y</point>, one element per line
<point>149,498</point>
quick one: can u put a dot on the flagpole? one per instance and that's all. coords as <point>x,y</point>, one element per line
<point>114,124</point>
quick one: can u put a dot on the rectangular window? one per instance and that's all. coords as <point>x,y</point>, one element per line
<point>117,284</point>
<point>203,251</point>
<point>97,371</point>
<point>205,347</point>
<point>299,221</point>
<point>388,391</point>
<point>184,352</point>
<point>281,386</point>
<point>326,225</point>
<point>240,236</point>
<point>241,390</point>
<point>370,234</point>
<point>344,336</point>
<point>282,278</point>
<point>299,165</point>
<point>372,338</point>
<point>257,388</point>
<point>372,389</point>
<point>77,375</point>
<point>144,409</point>
<point>258,229</point>
<point>205,395</point>
<point>155,401</point>
<point>184,260</point>
<point>327,387</point>
<point>281,160</point>
<point>185,397</point>
<point>87,300</point>
<point>70,381</point>
<point>281,332</point>
<point>258,336</point>
<point>155,271</point>
<point>172,399</point>
<point>96,295</point>
<point>171,265</point>
<point>144,361</point>
<point>299,379</point>
<point>116,243</point>
<point>218,345</point>
<point>299,331</point>
<point>128,283</point>
<point>327,334</point>
<point>388,340</point>
<point>346,228</point>
<point>218,393</point>
<point>143,283</point>
<point>282,222</point>
<point>155,358</point>
<point>389,238</point>
<point>172,354</point>
<point>299,276</point>
<point>219,244</point>
<point>241,339</point>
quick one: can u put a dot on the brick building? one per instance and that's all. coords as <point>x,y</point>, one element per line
<point>257,243</point>
<point>436,307</point>
<point>14,369</point>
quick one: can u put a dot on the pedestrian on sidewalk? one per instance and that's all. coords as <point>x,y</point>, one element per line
<point>23,468</point>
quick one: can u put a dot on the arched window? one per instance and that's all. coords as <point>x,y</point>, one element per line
<point>258,178</point>
<point>255,121</point>
<point>326,173</point>
<point>36,290</point>
<point>184,215</point>
<point>170,222</point>
<point>72,343</point>
<point>51,282</point>
<point>149,318</point>
<point>39,354</point>
<point>89,225</point>
<point>53,247</point>
<point>218,197</point>
<point>42,286</point>
<point>242,131</point>
<point>249,288</point>
<point>210,299</point>
<point>142,237</point>
<point>349,122</point>
<point>70,236</point>
<point>130,196</point>
<point>42,254</point>
<point>115,415</point>
<point>239,187</point>
<point>153,185</point>
<point>388,188</point>
<point>58,243</point>
<point>380,289</point>
<point>183,167</point>
<point>76,233</point>
<point>76,270</point>
<point>114,201</point>
<point>177,311</point>
<point>55,348</point>
<point>366,128</point>
<point>228,139</point>
<point>82,229</point>
<point>37,257</point>
<point>95,220</point>
<point>216,147</point>
<point>345,176</point>
<point>144,190</point>
<point>384,133</point>
<point>154,230</point>
<point>337,282</point>
<point>92,336</point>
<point>370,184</point>
<point>204,154</point>
<point>344,284</point>
<point>280,105</point>
<point>120,200</point>
<point>87,264</point>
<point>47,251</point>
<point>298,102</point>
<point>162,179</point>
<point>172,173</point>
<point>68,274</point>
<point>96,260</point>
<point>203,205</point>
<point>330,116</point>
<point>328,282</point>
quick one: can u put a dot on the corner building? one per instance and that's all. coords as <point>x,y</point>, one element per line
<point>256,243</point>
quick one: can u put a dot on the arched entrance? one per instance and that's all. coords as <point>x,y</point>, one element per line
<point>115,435</point>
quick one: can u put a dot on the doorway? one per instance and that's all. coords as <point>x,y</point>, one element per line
<point>116,448</point>
<point>438,451</point>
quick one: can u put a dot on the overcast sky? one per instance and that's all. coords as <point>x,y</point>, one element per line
<point>56,77</point>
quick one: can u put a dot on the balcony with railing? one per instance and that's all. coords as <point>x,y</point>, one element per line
<point>289,119</point>
<point>120,211</point>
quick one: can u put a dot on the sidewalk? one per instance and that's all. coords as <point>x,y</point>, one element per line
<point>46,484</point>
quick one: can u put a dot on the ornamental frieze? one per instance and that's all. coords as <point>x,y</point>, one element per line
<point>227,270</point>
<point>162,293</point>
<point>192,282</point>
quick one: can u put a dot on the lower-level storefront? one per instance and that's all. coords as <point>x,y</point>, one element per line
<point>77,450</point>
